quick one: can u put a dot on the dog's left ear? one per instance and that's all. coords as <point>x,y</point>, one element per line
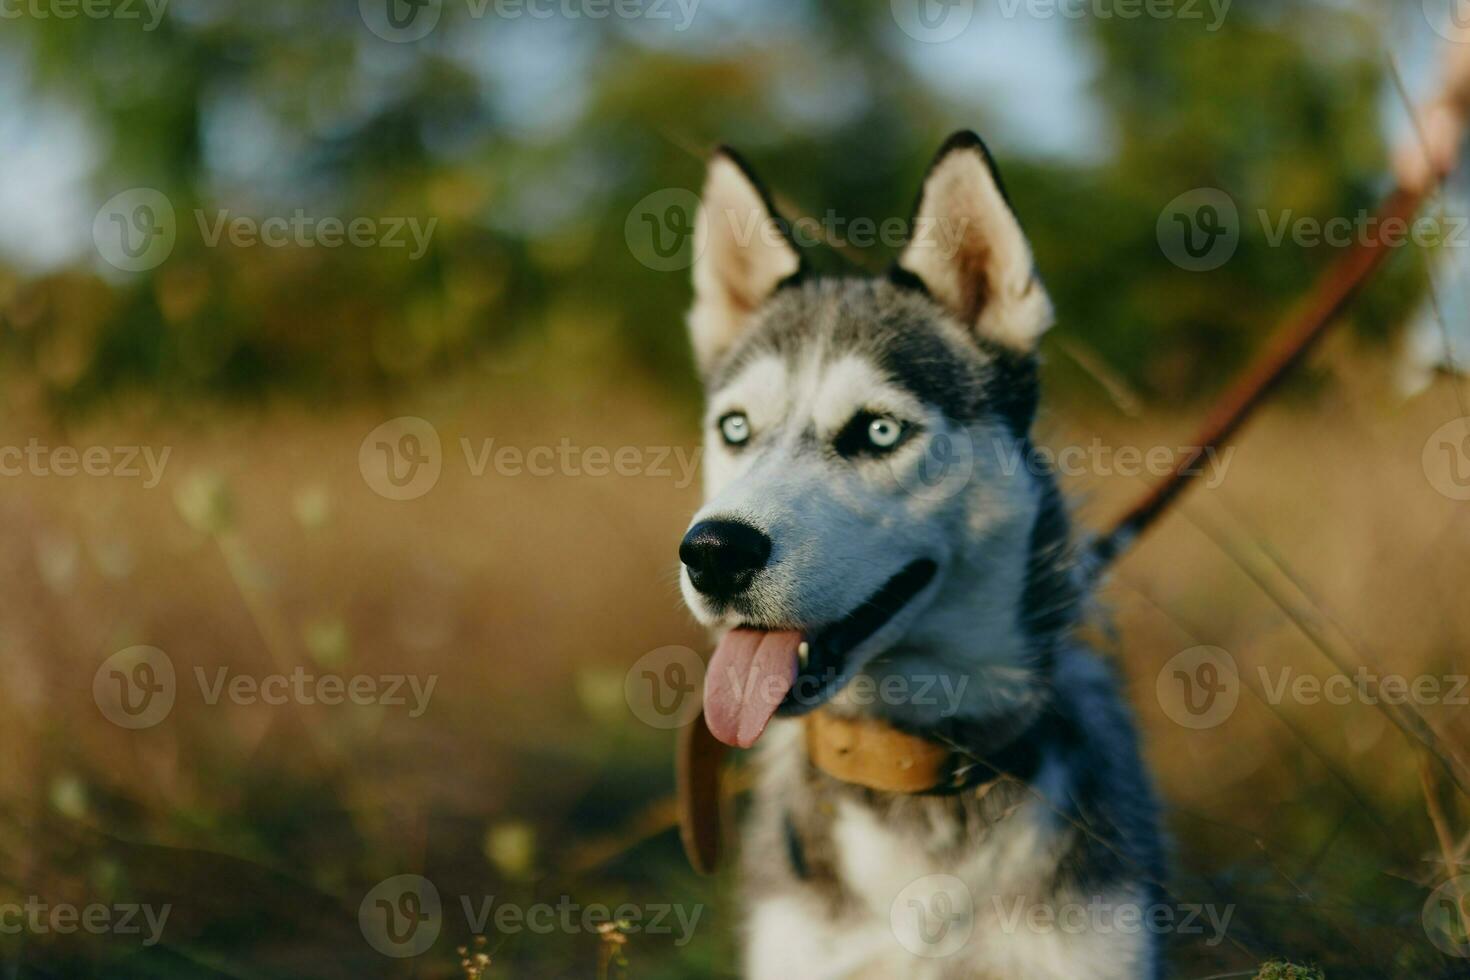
<point>967,248</point>
<point>743,253</point>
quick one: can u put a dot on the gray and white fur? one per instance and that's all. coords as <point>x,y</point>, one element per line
<point>842,881</point>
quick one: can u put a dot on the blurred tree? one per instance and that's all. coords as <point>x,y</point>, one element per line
<point>529,143</point>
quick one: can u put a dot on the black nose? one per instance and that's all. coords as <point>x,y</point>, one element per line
<point>723,556</point>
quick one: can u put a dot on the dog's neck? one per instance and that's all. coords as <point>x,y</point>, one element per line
<point>971,662</point>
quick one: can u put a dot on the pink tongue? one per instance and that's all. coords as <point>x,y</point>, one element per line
<point>749,675</point>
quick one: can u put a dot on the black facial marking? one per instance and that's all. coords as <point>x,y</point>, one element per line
<point>1013,389</point>
<point>904,279</point>
<point>921,363</point>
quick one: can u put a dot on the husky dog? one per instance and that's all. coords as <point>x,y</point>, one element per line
<point>949,784</point>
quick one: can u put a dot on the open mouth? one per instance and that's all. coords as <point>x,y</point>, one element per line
<point>756,673</point>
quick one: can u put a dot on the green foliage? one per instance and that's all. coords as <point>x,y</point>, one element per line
<point>1281,970</point>
<point>530,143</point>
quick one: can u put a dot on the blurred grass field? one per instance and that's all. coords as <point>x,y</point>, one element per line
<point>528,778</point>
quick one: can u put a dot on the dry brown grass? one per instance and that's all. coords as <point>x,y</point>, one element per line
<point>528,597</point>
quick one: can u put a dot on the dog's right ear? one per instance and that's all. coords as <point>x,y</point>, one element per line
<point>743,253</point>
<point>969,251</point>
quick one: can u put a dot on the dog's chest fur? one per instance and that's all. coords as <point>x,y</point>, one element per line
<point>844,882</point>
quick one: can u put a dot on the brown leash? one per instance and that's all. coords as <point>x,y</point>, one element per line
<point>700,759</point>
<point>1289,345</point>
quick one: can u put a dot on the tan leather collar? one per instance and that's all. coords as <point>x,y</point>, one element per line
<point>868,752</point>
<point>861,751</point>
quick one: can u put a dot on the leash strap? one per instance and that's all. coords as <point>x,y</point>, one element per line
<point>698,762</point>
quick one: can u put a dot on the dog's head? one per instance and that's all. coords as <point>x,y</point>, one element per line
<point>869,505</point>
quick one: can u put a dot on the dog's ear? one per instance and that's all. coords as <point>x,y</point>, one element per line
<point>743,252</point>
<point>968,250</point>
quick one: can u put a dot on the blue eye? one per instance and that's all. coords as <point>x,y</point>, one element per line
<point>735,428</point>
<point>871,434</point>
<point>884,432</point>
